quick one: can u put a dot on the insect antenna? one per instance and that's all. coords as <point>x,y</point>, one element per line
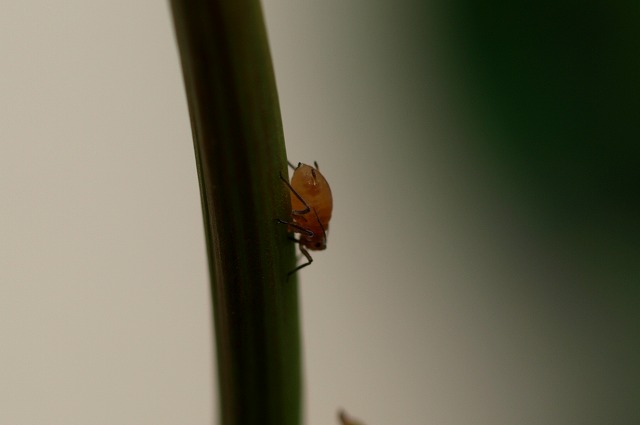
<point>320,223</point>
<point>291,165</point>
<point>297,212</point>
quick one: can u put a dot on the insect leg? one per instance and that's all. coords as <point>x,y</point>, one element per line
<point>291,165</point>
<point>304,252</point>
<point>299,228</point>
<point>316,164</point>
<point>297,212</point>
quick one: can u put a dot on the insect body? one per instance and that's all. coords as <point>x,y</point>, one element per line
<point>311,207</point>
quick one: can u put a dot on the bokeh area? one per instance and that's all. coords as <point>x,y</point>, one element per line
<point>483,261</point>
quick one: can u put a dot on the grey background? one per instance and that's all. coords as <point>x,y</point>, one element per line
<point>438,301</point>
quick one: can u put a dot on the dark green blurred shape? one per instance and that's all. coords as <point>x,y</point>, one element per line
<point>557,85</point>
<point>555,89</point>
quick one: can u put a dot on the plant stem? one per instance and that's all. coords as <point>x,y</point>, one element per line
<point>239,146</point>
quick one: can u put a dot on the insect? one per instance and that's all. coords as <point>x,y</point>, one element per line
<point>345,420</point>
<point>311,208</point>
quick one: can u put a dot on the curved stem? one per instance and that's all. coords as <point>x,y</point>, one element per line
<point>239,146</point>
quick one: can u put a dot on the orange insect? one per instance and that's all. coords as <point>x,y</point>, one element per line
<point>311,207</point>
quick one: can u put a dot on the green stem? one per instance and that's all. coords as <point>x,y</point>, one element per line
<point>239,145</point>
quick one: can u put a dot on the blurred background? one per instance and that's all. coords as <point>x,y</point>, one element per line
<point>484,258</point>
